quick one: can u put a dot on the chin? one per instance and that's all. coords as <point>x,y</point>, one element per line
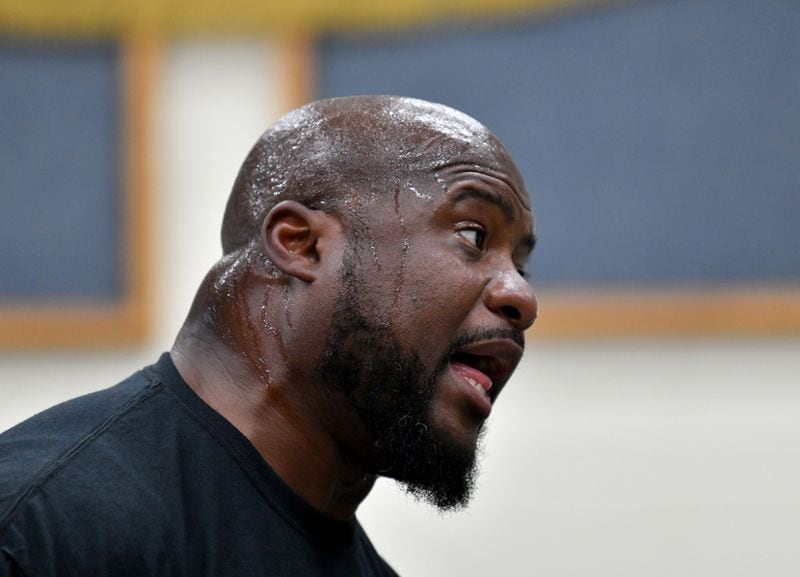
<point>441,467</point>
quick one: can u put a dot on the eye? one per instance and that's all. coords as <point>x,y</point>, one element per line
<point>474,234</point>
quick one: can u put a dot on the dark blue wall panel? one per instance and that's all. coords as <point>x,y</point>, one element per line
<point>660,139</point>
<point>60,183</point>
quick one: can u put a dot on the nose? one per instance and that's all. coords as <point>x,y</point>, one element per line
<point>510,296</point>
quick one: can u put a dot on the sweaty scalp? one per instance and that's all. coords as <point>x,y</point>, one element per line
<point>347,151</point>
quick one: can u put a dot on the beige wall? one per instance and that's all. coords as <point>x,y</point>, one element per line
<point>618,458</point>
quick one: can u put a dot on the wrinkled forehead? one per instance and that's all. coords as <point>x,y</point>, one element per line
<point>439,137</point>
<point>383,135</point>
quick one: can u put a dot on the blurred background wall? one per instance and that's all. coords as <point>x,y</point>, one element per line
<point>621,456</point>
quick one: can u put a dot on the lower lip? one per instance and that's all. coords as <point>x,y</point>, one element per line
<point>479,398</point>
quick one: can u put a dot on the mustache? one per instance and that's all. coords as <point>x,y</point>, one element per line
<point>484,335</point>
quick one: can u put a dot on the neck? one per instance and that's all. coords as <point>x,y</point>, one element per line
<point>283,420</point>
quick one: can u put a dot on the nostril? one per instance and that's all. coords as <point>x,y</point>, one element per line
<point>511,312</point>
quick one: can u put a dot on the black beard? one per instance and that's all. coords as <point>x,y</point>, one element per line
<point>392,393</point>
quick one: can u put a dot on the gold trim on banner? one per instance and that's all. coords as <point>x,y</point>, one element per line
<point>112,17</point>
<point>759,309</point>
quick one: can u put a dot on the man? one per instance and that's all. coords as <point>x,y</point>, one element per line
<point>368,309</point>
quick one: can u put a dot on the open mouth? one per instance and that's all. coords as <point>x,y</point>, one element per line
<point>478,370</point>
<point>486,365</point>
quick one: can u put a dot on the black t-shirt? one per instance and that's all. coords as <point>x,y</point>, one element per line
<point>145,479</point>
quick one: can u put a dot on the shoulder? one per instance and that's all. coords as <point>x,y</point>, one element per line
<point>59,473</point>
<point>41,444</point>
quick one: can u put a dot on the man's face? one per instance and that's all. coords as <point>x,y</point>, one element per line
<point>429,322</point>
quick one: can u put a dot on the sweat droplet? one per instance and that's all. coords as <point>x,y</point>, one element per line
<point>441,181</point>
<point>286,307</point>
<point>418,194</point>
<point>373,249</point>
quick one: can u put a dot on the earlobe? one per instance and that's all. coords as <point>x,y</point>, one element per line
<point>290,235</point>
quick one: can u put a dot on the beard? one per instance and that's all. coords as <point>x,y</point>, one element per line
<point>390,390</point>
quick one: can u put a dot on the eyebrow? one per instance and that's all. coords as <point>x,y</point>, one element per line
<point>489,196</point>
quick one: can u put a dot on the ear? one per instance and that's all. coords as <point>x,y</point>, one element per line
<point>291,234</point>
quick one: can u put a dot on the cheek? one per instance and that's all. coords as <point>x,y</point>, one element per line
<point>421,288</point>
<point>437,297</point>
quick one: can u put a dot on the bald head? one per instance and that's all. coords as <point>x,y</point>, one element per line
<point>345,151</point>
